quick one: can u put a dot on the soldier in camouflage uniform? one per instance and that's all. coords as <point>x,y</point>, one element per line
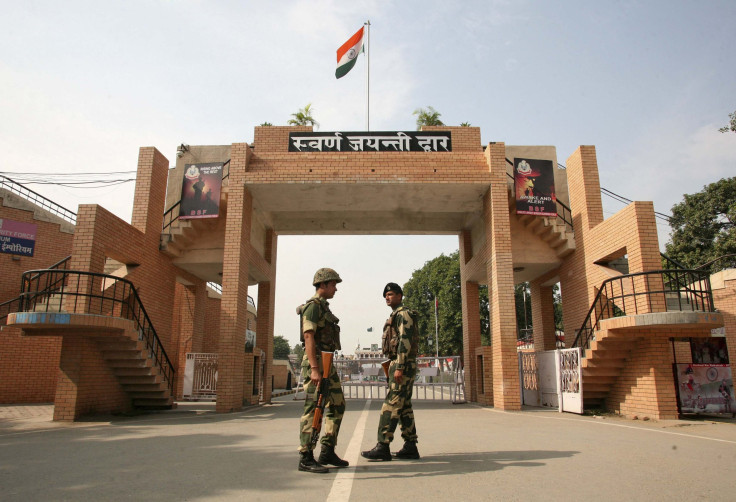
<point>320,332</point>
<point>400,344</point>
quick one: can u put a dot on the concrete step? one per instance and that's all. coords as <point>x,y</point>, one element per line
<point>121,354</point>
<point>139,379</point>
<point>130,363</point>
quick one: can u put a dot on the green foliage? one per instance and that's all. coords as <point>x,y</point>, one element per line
<point>428,117</point>
<point>557,303</point>
<point>281,348</point>
<point>266,124</point>
<point>731,127</point>
<point>440,277</point>
<point>303,117</point>
<point>703,225</point>
<point>298,350</point>
<point>464,124</point>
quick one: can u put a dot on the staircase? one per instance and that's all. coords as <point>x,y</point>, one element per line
<point>177,236</point>
<point>605,353</point>
<point>551,230</point>
<point>602,364</point>
<point>132,350</point>
<point>136,371</point>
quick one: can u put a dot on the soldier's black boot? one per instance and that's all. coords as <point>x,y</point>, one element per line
<point>308,464</point>
<point>328,457</point>
<point>408,452</point>
<point>379,452</point>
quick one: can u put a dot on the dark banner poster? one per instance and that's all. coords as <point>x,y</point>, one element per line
<point>534,182</point>
<point>17,237</point>
<point>705,388</point>
<point>410,141</point>
<point>200,191</point>
<point>709,350</point>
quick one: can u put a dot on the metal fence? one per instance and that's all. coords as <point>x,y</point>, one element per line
<point>438,379</point>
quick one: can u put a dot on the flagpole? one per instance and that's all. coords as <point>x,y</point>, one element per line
<point>368,75</point>
<point>436,330</point>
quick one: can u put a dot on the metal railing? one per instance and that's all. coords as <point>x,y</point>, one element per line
<point>563,212</point>
<point>38,199</point>
<point>8,306</point>
<point>728,259</point>
<point>646,292</point>
<point>54,290</point>
<point>364,378</point>
<point>172,213</point>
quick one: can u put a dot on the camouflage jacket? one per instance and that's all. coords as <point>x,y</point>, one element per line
<point>402,336</point>
<point>316,316</point>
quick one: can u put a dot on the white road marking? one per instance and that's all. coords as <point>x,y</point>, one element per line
<point>343,483</point>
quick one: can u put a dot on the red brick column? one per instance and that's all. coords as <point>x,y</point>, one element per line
<point>234,285</point>
<point>266,303</point>
<point>499,270</point>
<point>543,315</point>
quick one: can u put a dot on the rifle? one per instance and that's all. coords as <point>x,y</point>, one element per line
<point>385,364</point>
<point>324,386</point>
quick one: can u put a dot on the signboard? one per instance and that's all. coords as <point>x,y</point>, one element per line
<point>705,388</point>
<point>200,191</point>
<point>534,182</point>
<point>17,237</point>
<point>250,340</point>
<point>411,141</point>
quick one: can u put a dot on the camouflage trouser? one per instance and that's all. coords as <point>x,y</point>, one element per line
<point>397,406</point>
<point>334,409</point>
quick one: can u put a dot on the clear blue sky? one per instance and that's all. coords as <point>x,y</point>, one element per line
<point>85,84</point>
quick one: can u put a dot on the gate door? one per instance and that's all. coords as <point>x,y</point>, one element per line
<point>529,378</point>
<point>552,378</point>
<point>571,380</point>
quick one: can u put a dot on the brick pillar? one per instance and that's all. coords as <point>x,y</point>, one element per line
<point>266,303</point>
<point>471,335</point>
<point>586,208</point>
<point>499,270</point>
<point>543,316</point>
<point>234,303</point>
<point>150,192</point>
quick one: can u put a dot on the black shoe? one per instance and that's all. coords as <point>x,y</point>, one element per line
<point>328,456</point>
<point>379,452</point>
<point>408,452</point>
<point>307,463</point>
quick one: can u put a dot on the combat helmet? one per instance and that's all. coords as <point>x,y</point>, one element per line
<point>325,275</point>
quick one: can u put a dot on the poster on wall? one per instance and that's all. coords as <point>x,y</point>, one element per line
<point>200,191</point>
<point>17,237</point>
<point>534,184</point>
<point>705,388</point>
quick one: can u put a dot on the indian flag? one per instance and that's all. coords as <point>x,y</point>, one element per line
<point>347,54</point>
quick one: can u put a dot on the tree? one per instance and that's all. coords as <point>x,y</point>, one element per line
<point>731,127</point>
<point>303,117</point>
<point>703,225</point>
<point>464,124</point>
<point>280,347</point>
<point>298,351</point>
<point>440,278</point>
<point>265,124</point>
<point>428,117</point>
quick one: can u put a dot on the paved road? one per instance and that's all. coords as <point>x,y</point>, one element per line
<point>468,452</point>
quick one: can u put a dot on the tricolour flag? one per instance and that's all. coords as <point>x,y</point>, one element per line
<point>347,54</point>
